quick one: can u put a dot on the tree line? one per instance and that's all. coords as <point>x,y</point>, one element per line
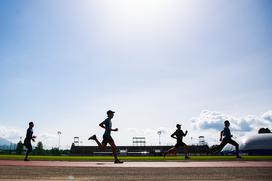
<point>39,150</point>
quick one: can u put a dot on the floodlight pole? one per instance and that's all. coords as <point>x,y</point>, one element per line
<point>159,133</point>
<point>59,133</point>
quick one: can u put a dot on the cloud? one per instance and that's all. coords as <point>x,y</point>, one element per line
<point>47,136</point>
<point>208,120</point>
<point>210,123</point>
<point>12,134</point>
<point>48,140</point>
<point>16,134</point>
<point>267,116</point>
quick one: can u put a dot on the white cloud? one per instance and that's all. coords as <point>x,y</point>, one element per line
<point>48,140</point>
<point>208,124</point>
<point>15,134</point>
<point>12,134</point>
<point>267,116</point>
<point>211,122</point>
<point>215,120</point>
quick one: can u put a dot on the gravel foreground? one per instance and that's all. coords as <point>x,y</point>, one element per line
<point>68,173</point>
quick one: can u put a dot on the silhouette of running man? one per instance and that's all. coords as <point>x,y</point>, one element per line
<point>107,125</point>
<point>227,139</point>
<point>178,135</point>
<point>27,141</point>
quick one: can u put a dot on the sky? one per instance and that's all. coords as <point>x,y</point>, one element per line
<point>157,63</point>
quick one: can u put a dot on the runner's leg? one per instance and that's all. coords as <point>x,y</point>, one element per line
<point>100,145</point>
<point>171,150</point>
<point>185,150</point>
<point>114,149</point>
<point>29,149</point>
<point>219,147</point>
<point>234,143</point>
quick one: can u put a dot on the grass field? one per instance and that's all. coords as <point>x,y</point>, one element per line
<point>134,158</point>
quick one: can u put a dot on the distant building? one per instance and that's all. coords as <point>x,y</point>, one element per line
<point>260,144</point>
<point>136,150</point>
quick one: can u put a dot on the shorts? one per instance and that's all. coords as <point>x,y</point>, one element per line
<point>28,145</point>
<point>230,141</point>
<point>180,143</point>
<point>107,139</point>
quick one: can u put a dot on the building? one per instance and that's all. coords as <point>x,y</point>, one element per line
<point>136,150</point>
<point>260,144</point>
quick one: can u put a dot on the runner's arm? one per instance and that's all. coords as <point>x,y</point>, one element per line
<point>174,135</point>
<point>102,125</point>
<point>221,135</point>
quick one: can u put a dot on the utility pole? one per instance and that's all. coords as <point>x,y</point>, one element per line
<point>159,133</point>
<point>59,133</point>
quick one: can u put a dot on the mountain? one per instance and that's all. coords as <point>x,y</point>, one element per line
<point>4,141</point>
<point>6,144</point>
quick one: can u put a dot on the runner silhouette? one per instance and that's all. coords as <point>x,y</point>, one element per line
<point>178,135</point>
<point>27,141</point>
<point>107,125</point>
<point>227,139</point>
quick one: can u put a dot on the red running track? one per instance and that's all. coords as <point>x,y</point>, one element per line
<point>188,164</point>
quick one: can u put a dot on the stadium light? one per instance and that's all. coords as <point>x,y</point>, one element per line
<point>59,133</point>
<point>159,133</point>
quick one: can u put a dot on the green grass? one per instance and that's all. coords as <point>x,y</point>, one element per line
<point>133,158</point>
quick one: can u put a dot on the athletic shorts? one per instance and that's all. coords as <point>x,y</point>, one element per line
<point>28,145</point>
<point>107,139</point>
<point>180,144</point>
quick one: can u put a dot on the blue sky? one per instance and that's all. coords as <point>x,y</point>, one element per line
<point>63,64</point>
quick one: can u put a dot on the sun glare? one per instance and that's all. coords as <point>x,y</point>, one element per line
<point>143,16</point>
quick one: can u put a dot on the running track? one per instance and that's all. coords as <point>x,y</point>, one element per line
<point>185,164</point>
